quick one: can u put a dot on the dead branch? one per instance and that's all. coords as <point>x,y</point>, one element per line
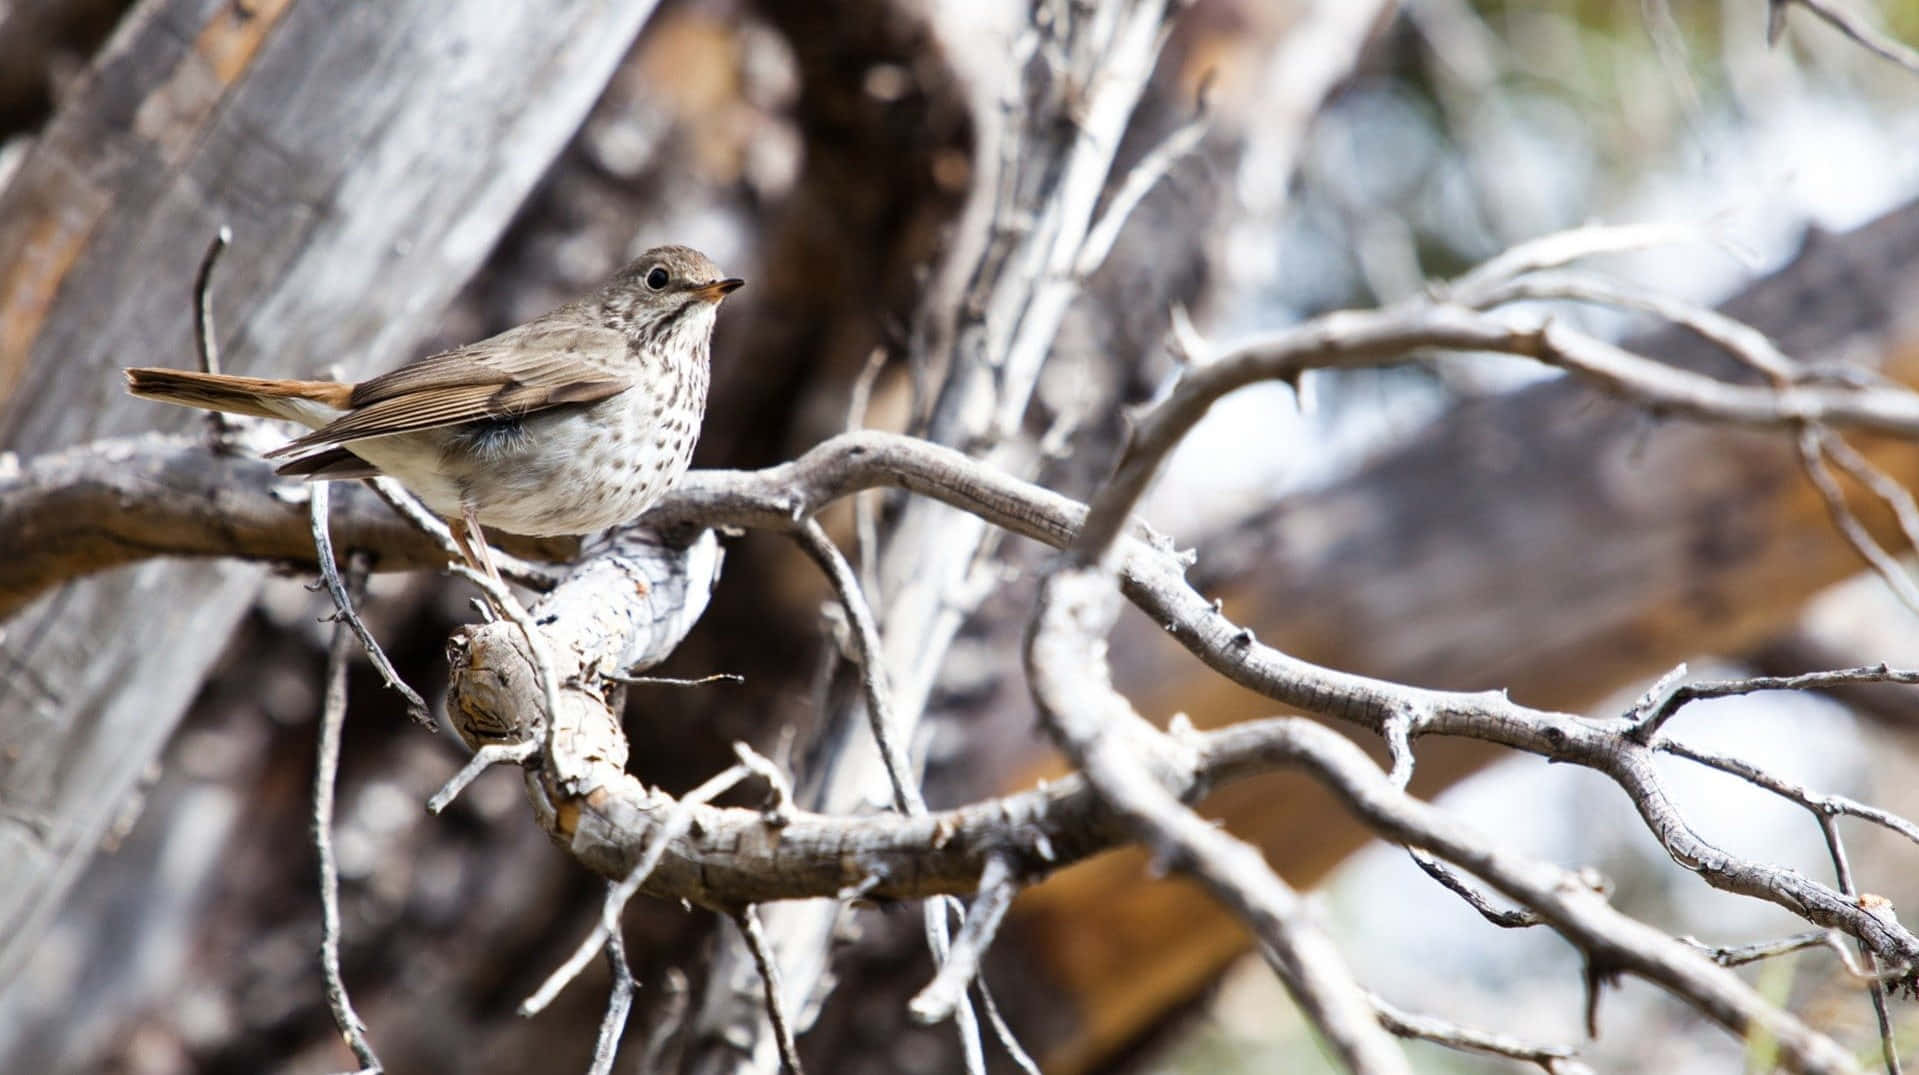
<point>326,773</point>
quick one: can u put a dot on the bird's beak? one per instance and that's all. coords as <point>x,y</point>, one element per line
<point>719,289</point>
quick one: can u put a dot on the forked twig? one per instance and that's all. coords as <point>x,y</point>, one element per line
<point>343,606</point>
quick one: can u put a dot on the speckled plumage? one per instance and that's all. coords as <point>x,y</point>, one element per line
<point>576,421</point>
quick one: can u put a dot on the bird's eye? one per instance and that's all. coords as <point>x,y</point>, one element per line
<point>656,278</point>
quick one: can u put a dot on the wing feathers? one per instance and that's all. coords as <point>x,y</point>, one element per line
<point>522,371</point>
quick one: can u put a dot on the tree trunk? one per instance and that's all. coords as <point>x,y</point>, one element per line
<point>366,158</point>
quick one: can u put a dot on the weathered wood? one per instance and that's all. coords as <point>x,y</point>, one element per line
<point>367,157</point>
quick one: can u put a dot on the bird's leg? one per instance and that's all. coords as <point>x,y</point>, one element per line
<point>472,541</point>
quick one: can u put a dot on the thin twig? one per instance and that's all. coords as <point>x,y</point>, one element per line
<point>1513,918</point>
<point>780,811</point>
<point>1731,335</point>
<point>965,1020</point>
<point>900,771</point>
<point>1552,1058</point>
<point>1812,455</point>
<point>678,819</point>
<point>325,772</point>
<point>1567,901</point>
<point>1738,955</point>
<point>1398,733</point>
<point>619,1002</point>
<point>343,606</point>
<point>866,639</point>
<point>1562,248</point>
<point>866,542</point>
<point>997,886</point>
<point>1883,485</point>
<point>674,681</point>
<point>205,340</point>
<point>749,922</point>
<point>1139,182</point>
<point>1847,23</point>
<point>1842,872</point>
<point>489,755</point>
<point>1121,756</point>
<point>1668,696</point>
<point>1007,1039</point>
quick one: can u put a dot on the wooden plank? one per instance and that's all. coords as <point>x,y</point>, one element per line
<point>367,157</point>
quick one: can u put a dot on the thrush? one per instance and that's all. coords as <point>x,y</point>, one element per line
<point>578,420</point>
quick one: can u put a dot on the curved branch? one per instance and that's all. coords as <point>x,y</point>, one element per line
<point>730,857</point>
<point>194,490</point>
<point>117,502</point>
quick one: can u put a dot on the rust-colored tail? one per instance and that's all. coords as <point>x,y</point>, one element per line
<point>234,395</point>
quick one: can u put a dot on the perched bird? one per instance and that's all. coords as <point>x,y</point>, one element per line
<point>575,421</point>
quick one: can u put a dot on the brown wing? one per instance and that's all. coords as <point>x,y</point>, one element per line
<point>522,371</point>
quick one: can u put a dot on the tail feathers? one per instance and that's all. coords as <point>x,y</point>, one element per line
<point>256,396</point>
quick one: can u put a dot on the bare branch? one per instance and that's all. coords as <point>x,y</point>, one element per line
<point>1117,754</point>
<point>1735,337</point>
<point>749,923</point>
<point>1138,183</point>
<point>489,755</point>
<point>326,771</point>
<point>1820,806</point>
<point>1842,869</point>
<point>1351,338</point>
<point>1517,918</point>
<point>866,637</point>
<point>679,818</point>
<point>1882,485</point>
<point>1557,1059</point>
<point>1004,1033</point>
<point>1742,954</point>
<point>619,1002</point>
<point>206,341</point>
<point>774,496</point>
<point>865,524</point>
<point>343,606</point>
<point>997,888</point>
<point>1846,23</point>
<point>1570,906</point>
<point>1481,286</point>
<point>899,767</point>
<point>1812,454</point>
<point>1121,756</point>
<point>1667,697</point>
<point>113,502</point>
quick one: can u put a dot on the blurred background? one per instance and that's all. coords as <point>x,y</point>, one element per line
<point>1466,521</point>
